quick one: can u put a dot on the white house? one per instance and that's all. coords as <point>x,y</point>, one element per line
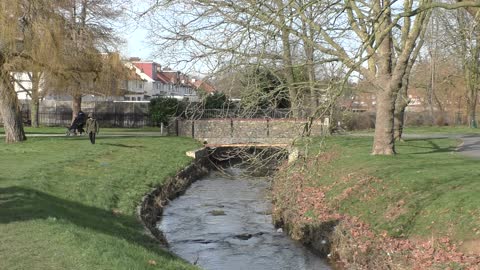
<point>23,84</point>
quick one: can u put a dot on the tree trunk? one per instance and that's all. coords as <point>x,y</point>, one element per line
<point>76,105</point>
<point>471,109</point>
<point>10,110</point>
<point>383,142</point>
<point>34,112</point>
<point>287,60</point>
<point>401,104</point>
<point>35,102</point>
<point>289,74</point>
<point>309,51</point>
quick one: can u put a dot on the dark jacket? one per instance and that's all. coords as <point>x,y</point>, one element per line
<point>92,126</point>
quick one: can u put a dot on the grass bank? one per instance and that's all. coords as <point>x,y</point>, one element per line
<point>68,204</point>
<point>426,195</point>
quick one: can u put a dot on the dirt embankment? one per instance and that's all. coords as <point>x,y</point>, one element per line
<point>307,214</point>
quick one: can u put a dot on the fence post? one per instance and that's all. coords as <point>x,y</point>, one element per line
<point>231,127</point>
<point>134,115</point>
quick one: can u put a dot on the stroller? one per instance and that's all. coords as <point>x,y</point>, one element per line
<point>77,124</point>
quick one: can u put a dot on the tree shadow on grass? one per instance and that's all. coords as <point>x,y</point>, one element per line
<point>433,147</point>
<point>122,145</point>
<point>23,204</point>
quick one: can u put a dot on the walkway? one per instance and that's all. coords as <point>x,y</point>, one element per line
<point>470,146</point>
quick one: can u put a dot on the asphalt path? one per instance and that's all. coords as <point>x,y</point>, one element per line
<point>469,146</point>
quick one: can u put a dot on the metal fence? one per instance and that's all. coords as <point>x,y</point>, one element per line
<point>64,119</point>
<point>110,114</point>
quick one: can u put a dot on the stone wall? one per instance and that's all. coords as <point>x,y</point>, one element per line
<point>223,131</point>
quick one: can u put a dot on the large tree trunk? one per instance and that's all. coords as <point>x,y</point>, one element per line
<point>76,105</point>
<point>10,110</point>
<point>383,142</point>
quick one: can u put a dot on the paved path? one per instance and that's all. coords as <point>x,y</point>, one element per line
<point>470,146</point>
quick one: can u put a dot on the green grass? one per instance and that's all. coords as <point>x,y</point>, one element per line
<point>426,190</point>
<point>68,204</point>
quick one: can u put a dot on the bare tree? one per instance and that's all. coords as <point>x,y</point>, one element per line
<point>89,28</point>
<point>469,51</point>
<point>378,39</point>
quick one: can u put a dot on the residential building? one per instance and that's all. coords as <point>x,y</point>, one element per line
<point>150,80</point>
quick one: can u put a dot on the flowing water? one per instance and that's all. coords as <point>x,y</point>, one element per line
<point>224,222</point>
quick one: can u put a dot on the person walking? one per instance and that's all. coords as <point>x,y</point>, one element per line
<point>92,128</point>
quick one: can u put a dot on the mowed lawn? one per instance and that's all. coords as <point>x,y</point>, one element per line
<point>68,204</point>
<point>427,190</point>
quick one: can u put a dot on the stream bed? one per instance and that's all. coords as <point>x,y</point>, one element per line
<point>223,222</point>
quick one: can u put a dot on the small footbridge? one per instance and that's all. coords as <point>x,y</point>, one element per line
<point>239,132</point>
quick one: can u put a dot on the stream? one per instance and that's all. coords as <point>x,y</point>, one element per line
<point>223,221</point>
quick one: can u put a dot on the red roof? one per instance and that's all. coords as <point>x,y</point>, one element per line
<point>145,67</point>
<point>199,84</point>
<point>161,77</point>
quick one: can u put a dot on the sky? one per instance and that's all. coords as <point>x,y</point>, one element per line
<point>136,45</point>
<point>134,34</point>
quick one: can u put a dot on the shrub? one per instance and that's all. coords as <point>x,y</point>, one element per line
<point>162,108</point>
